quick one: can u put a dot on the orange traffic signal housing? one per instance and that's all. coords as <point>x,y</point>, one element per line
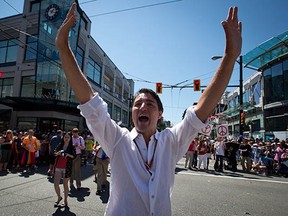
<point>242,118</point>
<point>197,86</point>
<point>159,88</point>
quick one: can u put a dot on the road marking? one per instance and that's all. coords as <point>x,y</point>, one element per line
<point>236,178</point>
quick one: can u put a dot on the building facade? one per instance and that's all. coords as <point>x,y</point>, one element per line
<point>34,92</point>
<point>265,93</point>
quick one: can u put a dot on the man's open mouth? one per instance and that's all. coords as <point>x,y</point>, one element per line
<point>143,118</point>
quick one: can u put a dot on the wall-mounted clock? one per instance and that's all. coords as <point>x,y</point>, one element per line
<point>52,11</point>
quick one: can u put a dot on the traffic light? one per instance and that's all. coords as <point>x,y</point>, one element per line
<point>159,88</point>
<point>1,74</point>
<point>242,118</point>
<point>197,86</point>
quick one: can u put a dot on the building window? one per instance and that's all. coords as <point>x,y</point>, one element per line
<point>277,82</point>
<point>117,113</point>
<point>69,125</point>
<point>31,50</point>
<point>25,123</point>
<point>93,71</point>
<point>47,28</point>
<point>256,89</point>
<point>28,86</point>
<point>267,86</point>
<point>109,107</point>
<point>246,96</point>
<point>80,56</point>
<point>8,51</point>
<point>35,7</point>
<point>83,23</point>
<point>125,117</point>
<point>6,87</point>
<point>285,77</point>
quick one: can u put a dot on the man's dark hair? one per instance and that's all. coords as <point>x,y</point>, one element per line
<point>153,94</point>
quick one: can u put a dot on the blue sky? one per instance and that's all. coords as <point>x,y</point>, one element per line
<point>174,42</point>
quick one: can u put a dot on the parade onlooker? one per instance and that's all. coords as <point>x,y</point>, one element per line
<point>195,156</point>
<point>6,147</point>
<point>262,165</point>
<point>278,153</point>
<point>89,147</point>
<point>79,145</point>
<point>209,152</point>
<point>190,155</point>
<point>18,148</point>
<point>102,162</point>
<point>64,154</point>
<point>220,153</point>
<point>202,149</point>
<point>245,150</point>
<point>54,142</point>
<point>30,144</point>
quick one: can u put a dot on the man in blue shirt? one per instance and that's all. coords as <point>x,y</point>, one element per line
<point>54,142</point>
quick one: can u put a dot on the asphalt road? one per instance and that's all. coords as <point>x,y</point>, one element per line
<point>195,193</point>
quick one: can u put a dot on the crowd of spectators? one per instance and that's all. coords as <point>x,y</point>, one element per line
<point>17,154</point>
<point>254,155</point>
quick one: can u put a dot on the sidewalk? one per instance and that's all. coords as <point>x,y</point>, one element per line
<point>180,167</point>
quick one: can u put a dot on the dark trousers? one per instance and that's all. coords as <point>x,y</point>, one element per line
<point>217,166</point>
<point>194,163</point>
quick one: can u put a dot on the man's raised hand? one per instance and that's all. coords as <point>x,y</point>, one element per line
<point>233,31</point>
<point>63,32</point>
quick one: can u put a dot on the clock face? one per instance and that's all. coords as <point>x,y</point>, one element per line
<point>52,11</point>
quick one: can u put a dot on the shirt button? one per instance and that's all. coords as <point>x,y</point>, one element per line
<point>152,179</point>
<point>152,196</point>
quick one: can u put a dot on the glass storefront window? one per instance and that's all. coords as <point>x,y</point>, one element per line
<point>117,113</point>
<point>246,96</point>
<point>277,82</point>
<point>26,123</point>
<point>35,6</point>
<point>69,125</point>
<point>109,107</point>
<point>6,87</point>
<point>28,86</point>
<point>256,89</point>
<point>285,79</point>
<point>79,56</point>
<point>267,86</point>
<point>125,117</point>
<point>31,50</point>
<point>94,71</point>
<point>8,51</point>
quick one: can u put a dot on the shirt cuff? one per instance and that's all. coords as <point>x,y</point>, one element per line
<point>92,104</point>
<point>193,119</point>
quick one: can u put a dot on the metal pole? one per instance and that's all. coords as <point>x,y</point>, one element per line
<point>240,94</point>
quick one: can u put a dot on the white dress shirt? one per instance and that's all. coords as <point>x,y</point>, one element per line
<point>133,191</point>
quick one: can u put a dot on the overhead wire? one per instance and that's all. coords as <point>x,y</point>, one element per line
<point>134,8</point>
<point>88,1</point>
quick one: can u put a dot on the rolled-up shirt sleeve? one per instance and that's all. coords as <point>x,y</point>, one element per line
<point>98,120</point>
<point>186,131</point>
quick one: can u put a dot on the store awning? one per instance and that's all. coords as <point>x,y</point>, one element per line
<point>49,104</point>
<point>267,52</point>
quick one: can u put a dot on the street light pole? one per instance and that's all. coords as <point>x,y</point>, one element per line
<point>240,62</point>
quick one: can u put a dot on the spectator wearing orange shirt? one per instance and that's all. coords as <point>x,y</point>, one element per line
<point>30,144</point>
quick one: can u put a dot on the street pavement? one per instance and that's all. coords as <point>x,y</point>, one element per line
<point>195,193</point>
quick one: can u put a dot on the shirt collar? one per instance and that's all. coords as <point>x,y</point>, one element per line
<point>135,134</point>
